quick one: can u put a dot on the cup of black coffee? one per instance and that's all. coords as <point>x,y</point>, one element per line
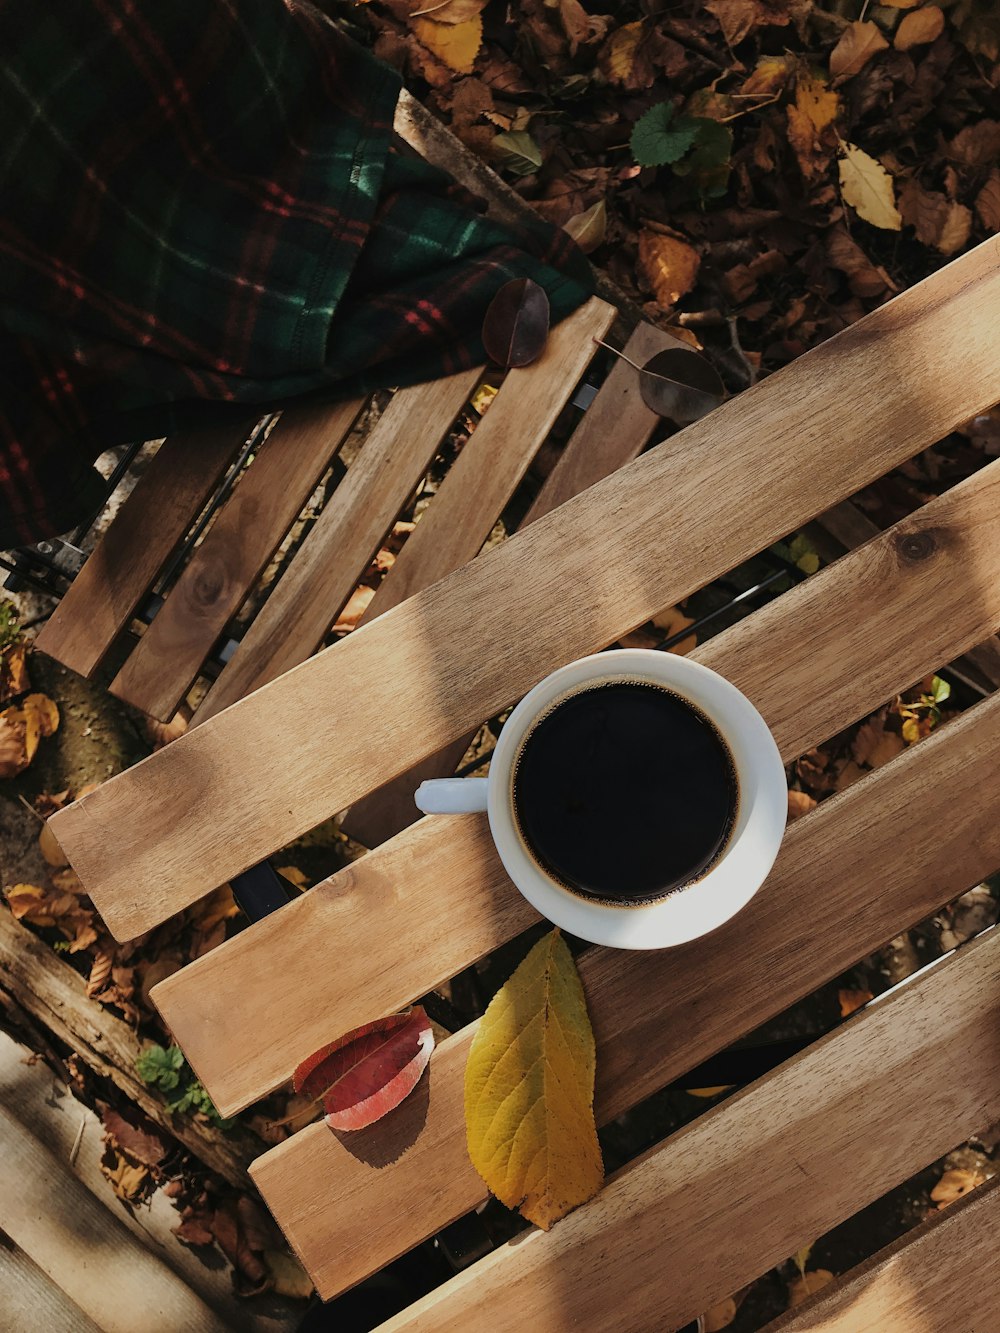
<point>636,798</point>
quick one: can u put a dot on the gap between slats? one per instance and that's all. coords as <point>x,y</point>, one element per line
<point>272,492</point>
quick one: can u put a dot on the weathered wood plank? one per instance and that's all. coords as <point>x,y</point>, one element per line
<point>149,841</point>
<point>777,1165</point>
<point>394,456</point>
<point>438,898</point>
<point>844,882</point>
<point>159,671</point>
<point>175,486</point>
<point>938,1278</point>
<point>85,1250</point>
<point>29,1300</point>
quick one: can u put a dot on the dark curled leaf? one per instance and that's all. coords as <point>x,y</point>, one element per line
<point>517,323</point>
<point>679,384</point>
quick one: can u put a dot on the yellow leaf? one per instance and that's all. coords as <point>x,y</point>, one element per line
<point>953,1184</point>
<point>799,804</point>
<point>801,1288</point>
<point>13,671</point>
<point>529,1090</point>
<point>49,847</point>
<point>456,44</point>
<point>867,187</point>
<point>290,1278</point>
<point>44,712</point>
<point>588,228</point>
<point>801,1257</point>
<point>919,27</point>
<point>670,266</point>
<point>618,52</point>
<point>816,101</point>
<point>769,76</point>
<point>483,397</point>
<point>720,1316</point>
<point>858,43</point>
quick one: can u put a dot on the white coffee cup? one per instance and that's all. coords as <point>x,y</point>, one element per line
<point>687,912</point>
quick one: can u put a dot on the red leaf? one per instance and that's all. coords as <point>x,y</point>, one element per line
<point>367,1072</point>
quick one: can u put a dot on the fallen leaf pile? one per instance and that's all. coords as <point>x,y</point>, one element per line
<point>793,164</point>
<point>22,726</point>
<point>529,1090</point>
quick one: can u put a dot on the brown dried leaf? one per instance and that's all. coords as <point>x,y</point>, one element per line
<point>799,804</point>
<point>850,1000</point>
<point>357,605</point>
<point>670,622</point>
<point>937,221</point>
<point>719,1316</point>
<point>100,970</point>
<point>859,42</point>
<point>769,76</point>
<point>160,734</point>
<point>669,265</point>
<point>977,145</point>
<point>451,11</point>
<point>802,1287</point>
<point>988,202</point>
<point>739,18</point>
<point>953,1184</point>
<point>137,1135</point>
<point>874,746</point>
<point>192,1231</point>
<point>810,125</point>
<point>864,278</point>
<point>919,27</point>
<point>130,1180</point>
<point>13,671</point>
<point>288,1276</point>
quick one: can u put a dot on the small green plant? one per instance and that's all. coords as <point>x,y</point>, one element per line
<point>921,717</point>
<point>10,630</point>
<point>693,146</point>
<point>165,1068</point>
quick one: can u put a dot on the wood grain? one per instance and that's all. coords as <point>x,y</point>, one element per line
<point>165,503</point>
<point>438,896</point>
<point>845,881</point>
<point>614,430</point>
<point>294,619</point>
<point>493,460</point>
<point>83,1247</point>
<point>269,496</point>
<point>939,1278</point>
<point>777,1165</point>
<point>150,840</point>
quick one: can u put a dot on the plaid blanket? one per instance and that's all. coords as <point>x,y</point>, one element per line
<point>203,208</point>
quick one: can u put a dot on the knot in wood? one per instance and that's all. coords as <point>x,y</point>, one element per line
<point>916,545</point>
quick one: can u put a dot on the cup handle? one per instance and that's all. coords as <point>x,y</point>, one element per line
<point>452,796</point>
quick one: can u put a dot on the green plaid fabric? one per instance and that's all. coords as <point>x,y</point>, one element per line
<point>204,209</point>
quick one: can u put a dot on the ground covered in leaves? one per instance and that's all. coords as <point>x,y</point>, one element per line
<point>756,175</point>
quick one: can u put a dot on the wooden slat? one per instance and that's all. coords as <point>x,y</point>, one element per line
<point>783,1162</point>
<point>327,566</point>
<point>614,430</point>
<point>941,1277</point>
<point>494,459</point>
<point>166,501</point>
<point>29,1300</point>
<point>159,672</point>
<point>147,842</point>
<point>438,897</point>
<point>848,877</point>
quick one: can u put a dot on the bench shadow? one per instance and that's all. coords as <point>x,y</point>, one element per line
<point>388,1139</point>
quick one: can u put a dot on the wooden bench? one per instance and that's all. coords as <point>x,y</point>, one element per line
<point>857,1113</point>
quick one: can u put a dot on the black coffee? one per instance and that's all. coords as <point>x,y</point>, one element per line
<point>624,791</point>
